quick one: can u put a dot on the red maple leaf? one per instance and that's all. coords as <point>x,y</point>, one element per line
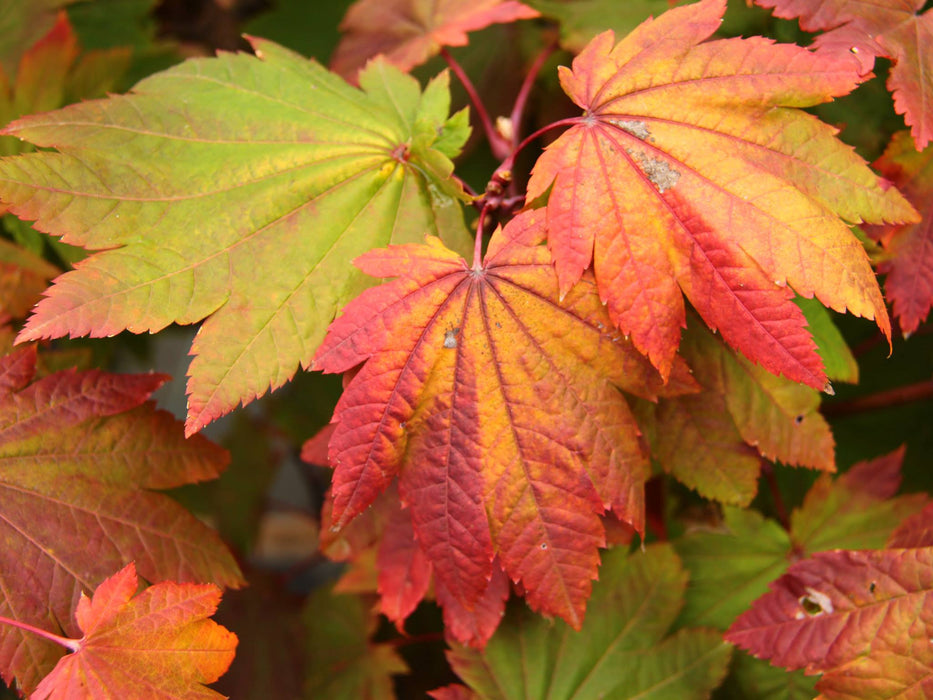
<point>892,29</point>
<point>691,171</point>
<point>863,618</point>
<point>158,644</point>
<point>495,403</point>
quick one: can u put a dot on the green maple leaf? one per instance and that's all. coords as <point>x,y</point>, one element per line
<point>622,651</point>
<point>733,565</point>
<point>234,189</point>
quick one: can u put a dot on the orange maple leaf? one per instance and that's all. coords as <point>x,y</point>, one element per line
<point>497,406</point>
<point>893,29</point>
<point>409,32</point>
<point>691,172</point>
<point>157,645</point>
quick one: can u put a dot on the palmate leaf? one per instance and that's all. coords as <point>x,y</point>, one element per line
<point>158,644</point>
<point>79,451</point>
<point>894,29</point>
<point>409,32</point>
<point>692,171</point>
<point>622,651</point>
<point>466,373</point>
<point>234,189</point>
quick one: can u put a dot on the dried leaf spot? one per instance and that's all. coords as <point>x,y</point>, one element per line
<point>638,129</point>
<point>798,420</point>
<point>450,338</point>
<point>815,603</point>
<point>662,175</point>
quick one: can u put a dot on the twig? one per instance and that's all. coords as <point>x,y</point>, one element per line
<point>499,146</point>
<point>883,399</point>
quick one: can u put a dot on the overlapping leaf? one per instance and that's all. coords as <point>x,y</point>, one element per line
<point>621,652</point>
<point>731,566</point>
<point>159,644</point>
<point>581,20</point>
<point>409,32</point>
<point>22,23</point>
<point>692,171</point>
<point>713,441</point>
<point>894,29</point>
<point>23,278</point>
<point>493,402</point>
<point>53,72</point>
<point>864,617</point>
<point>79,450</point>
<point>908,260</point>
<point>234,189</point>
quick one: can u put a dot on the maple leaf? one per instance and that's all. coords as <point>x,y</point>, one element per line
<point>341,661</point>
<point>23,278</point>
<point>79,452</point>
<point>713,441</point>
<point>409,32</point>
<point>893,29</point>
<point>465,369</point>
<point>158,644</point>
<point>732,565</point>
<point>908,259</point>
<point>693,170</point>
<point>623,652</point>
<point>864,617</point>
<point>271,173</point>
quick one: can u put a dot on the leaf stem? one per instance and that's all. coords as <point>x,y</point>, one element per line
<point>518,110</point>
<point>499,146</point>
<point>883,399</point>
<point>70,644</point>
<point>478,242</point>
<point>510,160</point>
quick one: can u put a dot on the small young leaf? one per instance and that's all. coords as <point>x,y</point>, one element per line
<point>692,170</point>
<point>271,174</point>
<point>465,370</point>
<point>409,32</point>
<point>158,644</point>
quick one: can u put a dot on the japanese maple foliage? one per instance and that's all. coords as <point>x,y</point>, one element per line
<point>80,452</point>
<point>638,349</point>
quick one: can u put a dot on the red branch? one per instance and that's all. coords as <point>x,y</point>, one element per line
<point>883,399</point>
